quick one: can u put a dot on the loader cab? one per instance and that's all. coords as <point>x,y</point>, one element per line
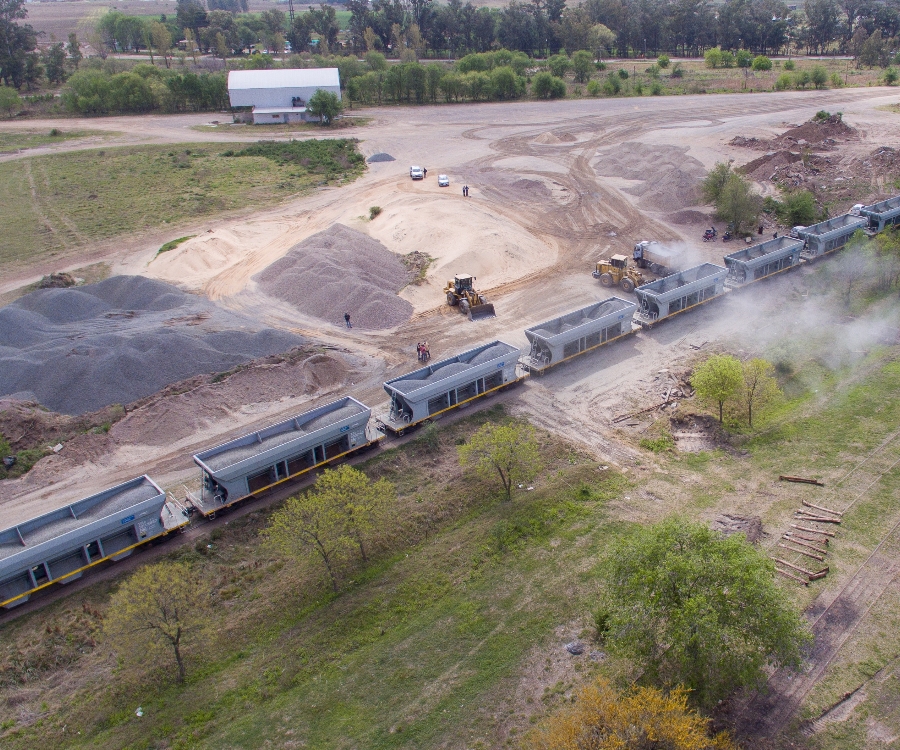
<point>619,261</point>
<point>463,283</point>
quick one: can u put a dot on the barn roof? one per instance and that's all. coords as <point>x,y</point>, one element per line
<point>283,78</point>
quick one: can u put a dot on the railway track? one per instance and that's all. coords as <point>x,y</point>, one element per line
<point>835,616</point>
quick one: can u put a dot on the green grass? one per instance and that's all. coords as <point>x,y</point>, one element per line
<point>70,200</point>
<point>13,140</point>
<point>172,244</point>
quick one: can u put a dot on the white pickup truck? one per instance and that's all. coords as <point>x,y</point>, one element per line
<point>417,173</point>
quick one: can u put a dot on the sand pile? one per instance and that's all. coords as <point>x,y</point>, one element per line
<point>380,157</point>
<point>80,349</point>
<point>764,167</point>
<point>525,188</point>
<point>341,270</point>
<point>669,178</point>
<point>547,139</point>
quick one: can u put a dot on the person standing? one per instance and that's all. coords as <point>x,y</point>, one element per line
<point>424,172</point>
<point>347,320</point>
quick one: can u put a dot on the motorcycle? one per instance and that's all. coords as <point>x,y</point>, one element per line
<point>709,235</point>
<point>727,237</point>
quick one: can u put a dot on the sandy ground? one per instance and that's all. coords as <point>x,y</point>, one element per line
<point>538,217</point>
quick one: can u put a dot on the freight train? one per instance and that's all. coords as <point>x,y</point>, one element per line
<point>59,546</point>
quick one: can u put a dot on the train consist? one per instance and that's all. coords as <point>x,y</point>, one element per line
<point>59,546</point>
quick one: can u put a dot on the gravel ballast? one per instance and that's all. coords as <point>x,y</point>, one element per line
<point>341,271</point>
<point>79,349</point>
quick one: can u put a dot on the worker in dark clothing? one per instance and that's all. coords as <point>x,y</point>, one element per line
<point>347,320</point>
<point>424,172</point>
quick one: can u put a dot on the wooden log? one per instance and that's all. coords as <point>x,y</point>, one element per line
<point>821,574</point>
<point>818,540</point>
<point>802,552</point>
<point>801,480</point>
<point>819,507</point>
<point>804,516</point>
<point>791,576</point>
<point>815,531</point>
<point>795,567</point>
<point>804,544</point>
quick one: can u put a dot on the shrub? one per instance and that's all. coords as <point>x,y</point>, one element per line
<point>890,76</point>
<point>653,71</point>
<point>547,86</point>
<point>802,79</point>
<point>600,65</point>
<point>374,211</point>
<point>744,58</point>
<point>761,62</point>
<point>612,85</point>
<point>789,65</point>
<point>819,76</point>
<point>784,82</point>
<point>798,208</point>
<point>594,88</point>
<point>638,88</point>
<point>677,71</point>
<point>582,62</point>
<point>663,61</point>
<point>713,58</point>
<point>623,74</point>
<point>559,65</point>
<point>836,81</point>
<point>656,89</point>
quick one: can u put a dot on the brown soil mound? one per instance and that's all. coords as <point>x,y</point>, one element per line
<point>567,138</point>
<point>26,424</point>
<point>532,188</point>
<point>750,526</point>
<point>341,270</point>
<point>764,168</point>
<point>820,135</point>
<point>687,217</point>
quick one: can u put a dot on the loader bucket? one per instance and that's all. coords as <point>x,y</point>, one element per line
<point>480,312</point>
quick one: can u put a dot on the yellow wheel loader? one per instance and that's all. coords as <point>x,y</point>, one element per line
<point>615,272</point>
<point>471,303</point>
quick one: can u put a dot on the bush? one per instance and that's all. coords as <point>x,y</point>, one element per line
<point>677,71</point>
<point>656,88</point>
<point>623,74</point>
<point>612,85</point>
<point>890,76</point>
<point>784,82</point>
<point>819,76</point>
<point>821,116</point>
<point>374,211</point>
<point>582,62</point>
<point>713,58</point>
<point>653,71</point>
<point>663,61</point>
<point>559,65</point>
<point>547,86</point>
<point>798,208</point>
<point>789,65</point>
<point>638,88</point>
<point>594,88</point>
<point>761,62</point>
<point>744,58</point>
<point>802,79</point>
<point>836,81</point>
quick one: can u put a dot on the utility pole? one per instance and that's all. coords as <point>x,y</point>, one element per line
<point>291,11</point>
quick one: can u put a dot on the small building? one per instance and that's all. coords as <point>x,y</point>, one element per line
<point>280,96</point>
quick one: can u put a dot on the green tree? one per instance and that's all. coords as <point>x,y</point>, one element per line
<point>17,45</point>
<point>9,100</point>
<point>583,65</point>
<point>718,379</point>
<point>559,65</point>
<point>509,451</point>
<point>744,58</point>
<point>306,525</point>
<point>714,182</point>
<point>547,86</point>
<point>890,76</point>
<point>697,609</point>
<point>798,208</point>
<point>738,204</point>
<point>162,607</point>
<point>55,63</point>
<point>364,503</point>
<point>663,61</point>
<point>73,50</point>
<point>760,386</point>
<point>325,105</point>
<point>160,38</point>
<point>784,82</point>
<point>601,39</point>
<point>761,62</point>
<point>713,58</point>
<point>802,79</point>
<point>818,76</point>
<point>376,61</point>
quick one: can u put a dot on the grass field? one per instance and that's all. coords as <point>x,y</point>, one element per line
<point>13,140</point>
<point>67,201</point>
<point>454,635</point>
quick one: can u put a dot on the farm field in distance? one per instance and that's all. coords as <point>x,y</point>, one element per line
<point>500,588</point>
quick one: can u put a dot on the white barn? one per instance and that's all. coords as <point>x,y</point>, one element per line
<point>279,96</point>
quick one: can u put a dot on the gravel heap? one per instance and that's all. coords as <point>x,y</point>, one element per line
<point>79,349</point>
<point>341,270</point>
<point>380,157</point>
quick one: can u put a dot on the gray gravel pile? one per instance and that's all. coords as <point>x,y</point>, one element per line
<point>80,349</point>
<point>379,157</point>
<point>492,352</point>
<point>341,270</point>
